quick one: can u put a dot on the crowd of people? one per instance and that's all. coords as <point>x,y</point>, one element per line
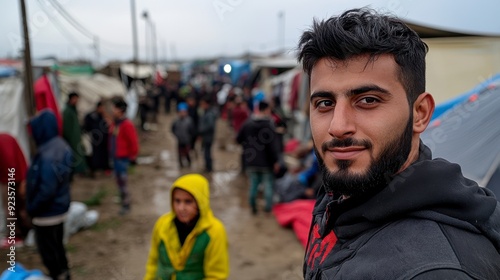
<point>42,189</point>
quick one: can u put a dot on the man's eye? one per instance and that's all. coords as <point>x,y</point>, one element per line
<point>324,103</point>
<point>368,100</point>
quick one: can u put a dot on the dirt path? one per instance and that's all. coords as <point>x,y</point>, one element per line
<point>117,247</point>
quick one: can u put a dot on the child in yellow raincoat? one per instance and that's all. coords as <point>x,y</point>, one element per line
<point>188,242</point>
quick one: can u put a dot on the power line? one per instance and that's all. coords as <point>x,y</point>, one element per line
<point>61,28</point>
<point>81,28</point>
<point>71,20</point>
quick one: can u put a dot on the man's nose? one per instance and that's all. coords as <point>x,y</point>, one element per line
<point>342,124</point>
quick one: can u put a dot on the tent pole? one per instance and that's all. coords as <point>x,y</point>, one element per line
<point>28,71</point>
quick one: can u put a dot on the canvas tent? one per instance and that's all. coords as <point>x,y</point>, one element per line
<point>91,89</point>
<point>469,134</point>
<point>13,115</point>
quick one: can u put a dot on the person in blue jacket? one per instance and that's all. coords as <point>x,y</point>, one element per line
<point>48,193</point>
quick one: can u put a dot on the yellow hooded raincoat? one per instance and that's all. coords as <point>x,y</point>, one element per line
<point>204,254</point>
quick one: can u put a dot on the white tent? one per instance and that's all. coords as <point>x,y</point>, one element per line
<point>13,115</point>
<point>91,90</point>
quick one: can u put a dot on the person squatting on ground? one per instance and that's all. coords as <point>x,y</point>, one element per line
<point>184,130</point>
<point>48,192</point>
<point>396,212</point>
<point>188,243</point>
<point>124,149</point>
<point>260,150</point>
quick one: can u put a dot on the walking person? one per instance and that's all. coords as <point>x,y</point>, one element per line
<point>260,149</point>
<point>206,130</point>
<point>124,149</point>
<point>184,130</point>
<point>48,192</point>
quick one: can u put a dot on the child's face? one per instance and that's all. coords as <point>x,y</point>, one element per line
<point>185,206</point>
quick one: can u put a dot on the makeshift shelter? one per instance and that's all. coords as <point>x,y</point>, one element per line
<point>7,71</point>
<point>91,89</point>
<point>469,134</point>
<point>13,115</point>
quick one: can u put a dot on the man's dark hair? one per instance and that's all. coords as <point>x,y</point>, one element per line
<point>120,104</point>
<point>72,94</point>
<point>99,104</point>
<point>263,105</point>
<point>364,31</point>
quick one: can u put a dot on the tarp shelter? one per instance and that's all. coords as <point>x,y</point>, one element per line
<point>74,69</point>
<point>7,71</point>
<point>141,72</point>
<point>13,115</point>
<point>469,134</point>
<point>91,89</point>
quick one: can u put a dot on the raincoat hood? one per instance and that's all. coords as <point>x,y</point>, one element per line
<point>198,187</point>
<point>44,127</point>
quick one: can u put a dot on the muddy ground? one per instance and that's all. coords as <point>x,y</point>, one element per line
<point>117,246</point>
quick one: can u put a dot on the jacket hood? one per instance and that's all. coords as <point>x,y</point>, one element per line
<point>198,187</point>
<point>44,127</point>
<point>431,189</point>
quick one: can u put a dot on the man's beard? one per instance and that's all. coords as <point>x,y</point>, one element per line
<point>379,173</point>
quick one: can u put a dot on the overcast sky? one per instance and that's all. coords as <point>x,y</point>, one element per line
<point>205,28</point>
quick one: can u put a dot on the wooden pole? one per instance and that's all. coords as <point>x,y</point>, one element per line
<point>28,71</point>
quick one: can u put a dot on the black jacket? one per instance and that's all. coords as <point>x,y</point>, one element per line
<point>428,223</point>
<point>260,143</point>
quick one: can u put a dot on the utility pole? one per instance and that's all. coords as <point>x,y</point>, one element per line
<point>28,71</point>
<point>164,49</point>
<point>281,30</point>
<point>96,49</point>
<point>145,16</point>
<point>155,50</point>
<point>134,38</point>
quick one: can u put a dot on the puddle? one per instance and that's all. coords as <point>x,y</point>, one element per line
<point>165,156</point>
<point>145,160</point>
<point>161,199</point>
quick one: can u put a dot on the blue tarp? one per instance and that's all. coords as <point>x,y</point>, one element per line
<point>6,71</point>
<point>239,68</point>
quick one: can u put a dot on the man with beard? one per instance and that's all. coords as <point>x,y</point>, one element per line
<point>386,210</point>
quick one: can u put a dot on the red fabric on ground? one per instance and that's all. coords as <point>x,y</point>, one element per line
<point>297,215</point>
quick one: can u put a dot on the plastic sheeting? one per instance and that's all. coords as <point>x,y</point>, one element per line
<point>469,134</point>
<point>91,89</point>
<point>143,71</point>
<point>13,115</point>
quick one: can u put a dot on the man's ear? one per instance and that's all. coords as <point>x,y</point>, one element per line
<point>423,108</point>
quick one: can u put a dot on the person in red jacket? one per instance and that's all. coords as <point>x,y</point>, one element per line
<point>124,149</point>
<point>13,171</point>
